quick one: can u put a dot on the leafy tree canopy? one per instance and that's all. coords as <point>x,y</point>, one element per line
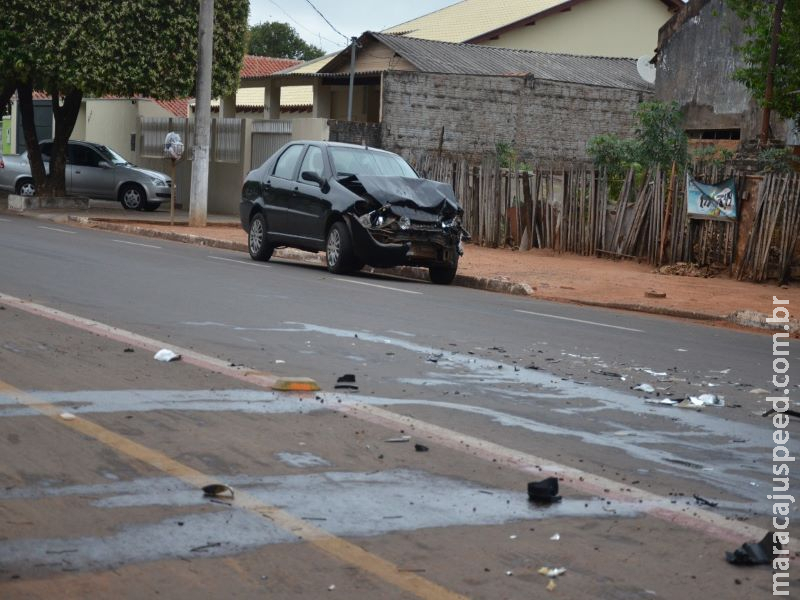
<point>73,49</point>
<point>279,40</point>
<point>758,17</point>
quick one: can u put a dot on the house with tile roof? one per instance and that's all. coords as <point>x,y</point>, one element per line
<point>617,28</point>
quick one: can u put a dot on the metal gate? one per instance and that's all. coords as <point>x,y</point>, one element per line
<point>267,137</point>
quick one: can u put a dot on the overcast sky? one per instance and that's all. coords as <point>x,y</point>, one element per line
<point>350,17</point>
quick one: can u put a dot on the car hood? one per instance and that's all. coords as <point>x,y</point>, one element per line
<point>410,192</point>
<point>146,172</point>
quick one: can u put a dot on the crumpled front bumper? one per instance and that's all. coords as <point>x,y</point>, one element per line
<point>408,247</point>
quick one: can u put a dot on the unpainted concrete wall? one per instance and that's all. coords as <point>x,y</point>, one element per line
<point>542,120</point>
<point>695,67</point>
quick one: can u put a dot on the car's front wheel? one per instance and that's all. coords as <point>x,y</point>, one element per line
<point>257,239</point>
<point>132,197</point>
<point>443,275</point>
<point>26,187</point>
<point>339,249</point>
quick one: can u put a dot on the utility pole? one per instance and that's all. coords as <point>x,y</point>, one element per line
<point>773,59</point>
<point>198,193</point>
<point>352,78</point>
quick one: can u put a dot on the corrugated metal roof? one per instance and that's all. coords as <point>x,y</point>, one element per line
<point>471,59</point>
<point>471,19</point>
<point>291,96</point>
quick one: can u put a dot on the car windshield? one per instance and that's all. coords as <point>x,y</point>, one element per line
<point>111,156</point>
<point>360,161</point>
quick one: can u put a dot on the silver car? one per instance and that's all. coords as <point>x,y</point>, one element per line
<point>94,171</point>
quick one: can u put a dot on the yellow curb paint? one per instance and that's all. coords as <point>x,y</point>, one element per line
<point>326,542</point>
<point>295,384</point>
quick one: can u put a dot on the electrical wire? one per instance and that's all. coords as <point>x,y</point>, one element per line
<point>299,24</point>
<point>326,20</point>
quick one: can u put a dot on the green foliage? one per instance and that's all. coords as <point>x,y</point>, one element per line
<point>660,135</point>
<point>711,155</point>
<point>758,17</point>
<point>279,40</point>
<point>776,160</point>
<point>508,158</point>
<point>659,140</point>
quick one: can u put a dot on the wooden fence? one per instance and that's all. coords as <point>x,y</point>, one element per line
<point>570,209</point>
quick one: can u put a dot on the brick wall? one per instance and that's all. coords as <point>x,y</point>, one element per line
<point>470,114</point>
<point>355,133</point>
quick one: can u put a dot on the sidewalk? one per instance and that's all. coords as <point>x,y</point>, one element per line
<point>541,274</point>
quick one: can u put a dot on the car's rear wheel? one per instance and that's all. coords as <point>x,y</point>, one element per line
<point>151,206</point>
<point>443,275</point>
<point>26,187</point>
<point>132,197</point>
<point>339,249</point>
<point>257,239</point>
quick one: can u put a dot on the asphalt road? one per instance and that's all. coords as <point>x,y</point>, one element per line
<point>502,390</point>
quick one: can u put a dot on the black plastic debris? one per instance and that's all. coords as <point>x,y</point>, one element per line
<point>346,382</point>
<point>217,490</point>
<point>128,350</point>
<point>772,411</point>
<point>420,448</point>
<point>703,502</point>
<point>544,492</point>
<point>434,358</point>
<point>752,553</point>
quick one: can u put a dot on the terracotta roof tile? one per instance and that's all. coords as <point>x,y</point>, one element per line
<point>261,66</point>
<point>179,108</point>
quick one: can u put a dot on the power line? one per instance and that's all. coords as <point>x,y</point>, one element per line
<point>299,24</point>
<point>328,22</point>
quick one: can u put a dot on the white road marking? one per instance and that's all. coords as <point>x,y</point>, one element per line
<point>6,220</point>
<point>249,263</point>
<point>56,229</point>
<point>383,287</point>
<point>137,244</point>
<point>528,312</point>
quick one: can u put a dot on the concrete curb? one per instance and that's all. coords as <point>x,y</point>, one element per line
<point>747,319</point>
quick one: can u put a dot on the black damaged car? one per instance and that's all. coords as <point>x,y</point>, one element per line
<point>362,206</point>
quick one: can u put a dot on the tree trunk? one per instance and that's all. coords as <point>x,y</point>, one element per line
<point>64,116</point>
<point>5,94</point>
<point>25,97</point>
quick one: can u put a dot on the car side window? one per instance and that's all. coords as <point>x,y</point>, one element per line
<point>312,162</point>
<point>83,156</point>
<point>287,163</point>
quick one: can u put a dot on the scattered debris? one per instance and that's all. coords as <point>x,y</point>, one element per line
<point>434,358</point>
<point>532,367</point>
<point>655,294</point>
<point>331,587</point>
<point>346,382</point>
<point>218,489</point>
<point>420,448</point>
<point>687,270</point>
<point>552,572</point>
<point>206,547</point>
<point>772,411</point>
<point>555,537</point>
<point>759,391</point>
<point>398,440</point>
<point>608,374</point>
<point>551,585</point>
<point>703,400</point>
<point>544,492</point>
<point>510,573</point>
<point>645,387</point>
<point>667,401</point>
<point>67,416</point>
<point>704,502</point>
<point>280,361</point>
<point>165,355</point>
<point>512,537</point>
<point>752,553</point>
<point>128,350</point>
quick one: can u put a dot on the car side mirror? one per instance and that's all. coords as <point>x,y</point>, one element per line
<point>103,164</point>
<point>316,178</point>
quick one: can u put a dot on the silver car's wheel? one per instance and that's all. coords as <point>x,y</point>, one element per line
<point>26,187</point>
<point>132,197</point>
<point>257,239</point>
<point>334,246</point>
